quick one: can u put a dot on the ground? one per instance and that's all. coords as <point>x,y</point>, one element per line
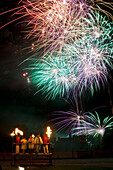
<point>67,164</point>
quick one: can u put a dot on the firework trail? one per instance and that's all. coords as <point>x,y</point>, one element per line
<point>82,65</point>
<point>52,75</point>
<point>81,123</point>
<point>96,126</point>
<point>98,26</point>
<point>52,23</point>
<point>68,121</point>
<point>92,58</point>
<point>71,121</point>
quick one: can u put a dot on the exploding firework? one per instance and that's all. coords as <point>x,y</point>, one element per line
<point>96,127</point>
<point>83,39</point>
<point>92,59</point>
<point>98,26</point>
<point>81,123</point>
<point>71,121</point>
<point>83,7</point>
<point>49,23</point>
<point>52,76</point>
<point>84,65</point>
<point>52,23</point>
<point>92,54</point>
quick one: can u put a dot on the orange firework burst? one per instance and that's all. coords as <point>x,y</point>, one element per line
<point>52,23</point>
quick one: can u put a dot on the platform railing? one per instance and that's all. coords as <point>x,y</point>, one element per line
<point>30,156</point>
<point>32,149</point>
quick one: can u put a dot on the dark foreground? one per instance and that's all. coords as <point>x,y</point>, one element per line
<point>65,164</point>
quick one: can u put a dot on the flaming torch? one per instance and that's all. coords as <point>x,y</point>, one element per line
<point>49,131</point>
<point>12,134</point>
<point>17,131</point>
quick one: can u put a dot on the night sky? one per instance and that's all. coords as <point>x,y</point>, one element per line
<point>19,107</point>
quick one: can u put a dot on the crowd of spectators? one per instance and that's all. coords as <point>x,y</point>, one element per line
<point>32,144</point>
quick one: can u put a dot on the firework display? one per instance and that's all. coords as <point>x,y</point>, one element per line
<point>83,65</point>
<point>87,58</point>
<point>69,122</point>
<point>52,75</point>
<point>76,40</point>
<point>78,51</point>
<point>96,126</point>
<point>92,62</point>
<point>98,26</point>
<point>82,124</point>
<point>52,23</point>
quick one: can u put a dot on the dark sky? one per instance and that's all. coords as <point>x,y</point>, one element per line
<point>18,104</point>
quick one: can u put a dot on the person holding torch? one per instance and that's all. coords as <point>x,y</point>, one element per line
<point>45,140</point>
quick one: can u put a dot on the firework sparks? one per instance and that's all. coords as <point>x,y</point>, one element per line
<point>71,121</point>
<point>81,124</point>
<point>84,64</point>
<point>98,26</point>
<point>97,127</point>
<point>52,76</point>
<point>82,37</point>
<point>68,121</point>
<point>91,58</point>
<point>54,23</point>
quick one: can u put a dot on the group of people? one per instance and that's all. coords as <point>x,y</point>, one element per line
<point>34,144</point>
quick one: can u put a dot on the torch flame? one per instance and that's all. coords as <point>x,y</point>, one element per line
<point>49,131</point>
<point>18,131</point>
<point>12,134</point>
<point>33,136</point>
